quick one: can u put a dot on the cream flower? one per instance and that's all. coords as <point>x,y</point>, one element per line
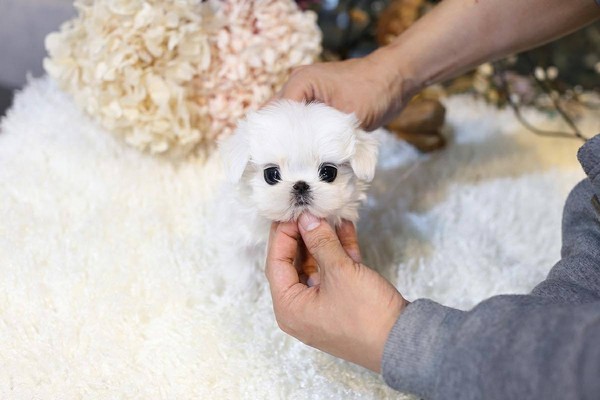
<point>173,76</point>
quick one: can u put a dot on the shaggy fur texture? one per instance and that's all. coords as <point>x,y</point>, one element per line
<point>296,140</point>
<point>110,286</point>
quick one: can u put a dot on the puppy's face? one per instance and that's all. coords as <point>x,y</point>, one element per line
<point>294,157</point>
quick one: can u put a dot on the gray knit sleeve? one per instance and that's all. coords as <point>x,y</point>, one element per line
<point>508,347</point>
<point>545,345</point>
<point>576,277</point>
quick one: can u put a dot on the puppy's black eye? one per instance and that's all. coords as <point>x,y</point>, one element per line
<point>272,175</point>
<point>327,173</point>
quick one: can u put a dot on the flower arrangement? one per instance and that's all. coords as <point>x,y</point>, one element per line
<point>173,76</point>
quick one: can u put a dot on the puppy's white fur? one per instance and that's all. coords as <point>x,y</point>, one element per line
<point>298,139</point>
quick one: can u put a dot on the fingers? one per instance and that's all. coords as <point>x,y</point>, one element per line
<point>299,86</point>
<point>306,265</point>
<point>282,249</point>
<point>294,90</point>
<point>347,234</point>
<point>321,241</point>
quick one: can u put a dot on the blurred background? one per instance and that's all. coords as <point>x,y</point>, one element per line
<point>565,69</point>
<point>23,26</point>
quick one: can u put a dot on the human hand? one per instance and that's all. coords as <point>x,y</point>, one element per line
<point>372,87</point>
<point>350,311</point>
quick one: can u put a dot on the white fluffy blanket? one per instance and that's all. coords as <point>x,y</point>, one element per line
<point>108,275</point>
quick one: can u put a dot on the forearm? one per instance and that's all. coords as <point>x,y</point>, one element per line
<point>460,34</point>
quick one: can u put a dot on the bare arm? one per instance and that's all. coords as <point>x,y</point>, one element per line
<point>458,35</point>
<point>454,37</point>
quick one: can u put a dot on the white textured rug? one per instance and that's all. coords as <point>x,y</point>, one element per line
<point>107,272</point>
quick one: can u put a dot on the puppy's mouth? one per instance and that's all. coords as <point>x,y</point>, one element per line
<point>302,200</point>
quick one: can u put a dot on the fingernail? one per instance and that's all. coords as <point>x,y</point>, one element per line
<point>308,222</point>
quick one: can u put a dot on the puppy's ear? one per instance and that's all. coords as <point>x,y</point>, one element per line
<point>235,153</point>
<point>364,160</point>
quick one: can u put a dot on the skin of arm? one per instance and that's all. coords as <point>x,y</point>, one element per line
<point>454,37</point>
<point>458,35</point>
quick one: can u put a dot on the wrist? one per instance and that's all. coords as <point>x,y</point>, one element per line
<point>386,328</point>
<point>400,77</point>
<point>433,49</point>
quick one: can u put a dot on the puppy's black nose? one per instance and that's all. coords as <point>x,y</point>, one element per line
<point>301,187</point>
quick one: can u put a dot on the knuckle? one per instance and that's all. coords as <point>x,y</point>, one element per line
<point>340,265</point>
<point>297,70</point>
<point>295,73</point>
<point>284,313</point>
<point>321,241</point>
<point>351,244</point>
<point>282,324</point>
<point>287,326</point>
<point>348,268</point>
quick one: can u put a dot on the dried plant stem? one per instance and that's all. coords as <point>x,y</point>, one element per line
<point>544,86</point>
<point>576,134</point>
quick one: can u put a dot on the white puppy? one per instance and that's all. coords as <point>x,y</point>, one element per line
<point>286,159</point>
<point>291,157</point>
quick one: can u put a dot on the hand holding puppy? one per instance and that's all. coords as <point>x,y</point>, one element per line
<point>372,88</point>
<point>352,309</point>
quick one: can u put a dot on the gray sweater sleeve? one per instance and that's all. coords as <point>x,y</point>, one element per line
<point>545,345</point>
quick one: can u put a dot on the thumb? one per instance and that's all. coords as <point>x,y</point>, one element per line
<point>321,241</point>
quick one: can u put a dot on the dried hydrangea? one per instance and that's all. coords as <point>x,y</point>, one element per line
<point>173,76</point>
